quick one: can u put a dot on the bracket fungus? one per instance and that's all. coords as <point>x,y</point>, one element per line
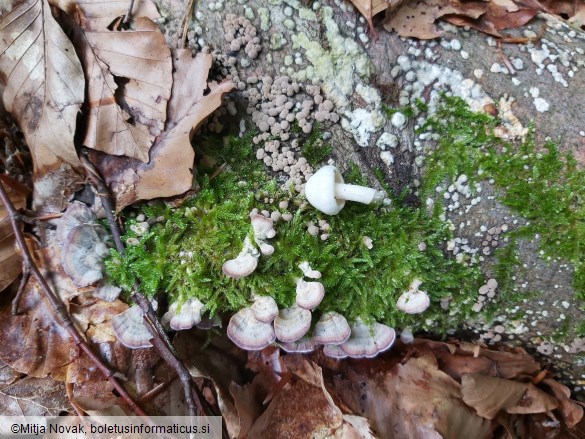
<point>130,328</point>
<point>308,271</point>
<point>309,294</point>
<point>331,329</point>
<point>244,264</point>
<point>107,292</point>
<point>301,346</point>
<point>334,351</point>
<point>413,301</point>
<point>83,253</point>
<point>248,333</point>
<point>292,323</point>
<point>265,309</point>
<point>263,229</point>
<point>77,213</point>
<point>186,317</point>
<point>366,341</point>
<point>327,192</point>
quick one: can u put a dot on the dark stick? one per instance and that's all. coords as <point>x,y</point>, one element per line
<point>25,277</point>
<point>129,13</point>
<point>60,311</point>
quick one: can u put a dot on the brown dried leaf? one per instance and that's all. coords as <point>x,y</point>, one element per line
<point>129,84</point>
<point>171,158</point>
<point>489,395</point>
<point>10,260</point>
<point>417,18</point>
<point>44,91</point>
<point>571,411</point>
<point>370,8</point>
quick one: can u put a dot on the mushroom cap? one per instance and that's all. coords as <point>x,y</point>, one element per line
<point>240,267</point>
<point>265,309</point>
<point>334,351</point>
<point>320,190</point>
<point>248,333</point>
<point>263,227</point>
<point>77,213</point>
<point>366,341</point>
<point>331,329</point>
<point>188,315</point>
<point>413,302</point>
<point>107,292</point>
<point>292,323</point>
<point>130,328</point>
<point>265,249</point>
<point>309,294</point>
<point>308,271</point>
<point>82,254</point>
<point>301,346</point>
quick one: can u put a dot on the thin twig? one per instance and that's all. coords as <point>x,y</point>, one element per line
<point>151,394</point>
<point>59,309</point>
<point>25,277</point>
<point>185,24</point>
<point>34,221</point>
<point>129,13</point>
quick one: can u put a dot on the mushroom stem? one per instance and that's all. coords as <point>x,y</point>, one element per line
<point>361,194</point>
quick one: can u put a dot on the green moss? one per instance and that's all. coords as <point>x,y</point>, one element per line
<point>183,255</point>
<point>538,183</point>
<point>314,148</point>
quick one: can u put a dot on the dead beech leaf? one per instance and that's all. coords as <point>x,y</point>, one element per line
<point>489,395</point>
<point>10,260</point>
<point>44,91</point>
<point>417,18</point>
<point>370,8</point>
<point>92,319</point>
<point>571,411</point>
<point>129,84</point>
<point>171,157</point>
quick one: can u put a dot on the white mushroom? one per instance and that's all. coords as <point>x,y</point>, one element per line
<point>248,333</point>
<point>83,253</point>
<point>327,192</point>
<point>265,309</point>
<point>107,292</point>
<point>292,323</point>
<point>331,329</point>
<point>185,317</point>
<point>244,264</point>
<point>413,301</point>
<point>309,294</point>
<point>301,346</point>
<point>308,271</point>
<point>130,328</point>
<point>366,341</point>
<point>263,229</point>
<point>334,351</point>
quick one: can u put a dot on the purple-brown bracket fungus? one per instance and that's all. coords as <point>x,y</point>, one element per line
<point>334,351</point>
<point>366,341</point>
<point>327,192</point>
<point>83,253</point>
<point>301,346</point>
<point>308,271</point>
<point>186,317</point>
<point>413,301</point>
<point>263,229</point>
<point>76,214</point>
<point>248,333</point>
<point>244,264</point>
<point>107,292</point>
<point>130,328</point>
<point>292,323</point>
<point>265,309</point>
<point>331,329</point>
<point>309,294</point>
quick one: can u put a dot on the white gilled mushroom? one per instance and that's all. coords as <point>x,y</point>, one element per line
<point>331,329</point>
<point>308,271</point>
<point>248,333</point>
<point>185,318</point>
<point>244,264</point>
<point>130,328</point>
<point>301,346</point>
<point>265,309</point>
<point>77,213</point>
<point>82,254</point>
<point>309,294</point>
<point>327,192</point>
<point>362,343</point>
<point>413,301</point>
<point>107,292</point>
<point>292,323</point>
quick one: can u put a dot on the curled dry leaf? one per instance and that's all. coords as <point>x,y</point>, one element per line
<point>369,8</point>
<point>44,91</point>
<point>10,261</point>
<point>128,74</point>
<point>171,157</point>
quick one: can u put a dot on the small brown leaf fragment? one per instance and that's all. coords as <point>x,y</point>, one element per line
<point>30,396</point>
<point>10,260</point>
<point>44,91</point>
<point>489,395</point>
<point>129,83</point>
<point>570,410</point>
<point>370,8</point>
<point>417,18</point>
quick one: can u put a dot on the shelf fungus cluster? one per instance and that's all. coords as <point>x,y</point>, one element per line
<point>413,301</point>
